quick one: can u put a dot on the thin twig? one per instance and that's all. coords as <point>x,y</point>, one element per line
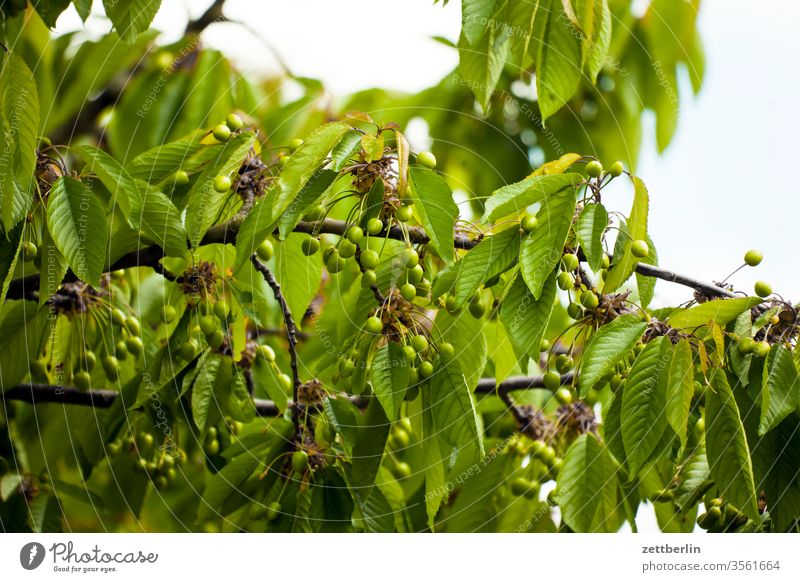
<point>212,14</point>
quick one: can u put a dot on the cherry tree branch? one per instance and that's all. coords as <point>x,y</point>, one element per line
<point>212,14</point>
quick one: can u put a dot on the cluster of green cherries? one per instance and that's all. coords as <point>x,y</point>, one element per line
<point>161,466</point>
<point>540,451</point>
<point>397,443</point>
<point>720,516</point>
<point>300,464</point>
<point>222,133</point>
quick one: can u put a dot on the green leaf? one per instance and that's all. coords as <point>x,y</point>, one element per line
<point>77,222</point>
<point>9,485</point>
<point>482,64</point>
<point>132,17</point>
<point>204,204</point>
<point>124,191</point>
<point>558,62</point>
<point>390,378</point>
<point>370,440</point>
<point>542,249</point>
<point>161,162</point>
<point>302,165</point>
<point>9,256</point>
<point>637,230</point>
<point>720,311</point>
<point>779,390</point>
<point>50,10</point>
<point>345,149</point>
<point>466,334</point>
<point>647,285</point>
<point>372,146</point>
<point>515,198</point>
<point>525,318</point>
<point>607,347</point>
<point>311,192</point>
<point>434,203</point>
<point>589,229</point>
<point>19,112</point>
<point>299,275</point>
<point>726,443</point>
<point>214,373</point>
<point>596,45</point>
<point>161,221</point>
<point>22,329</point>
<point>54,267</point>
<point>492,256</point>
<point>587,490</point>
<point>265,375</point>
<point>644,402</point>
<point>453,410</point>
<point>680,388</point>
<point>475,18</point>
<point>83,8</point>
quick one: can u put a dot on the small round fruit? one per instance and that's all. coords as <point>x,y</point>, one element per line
<point>374,226</point>
<point>373,325</point>
<point>118,317</point>
<point>424,287</point>
<point>753,257</point>
<point>451,305</point>
<point>419,343</point>
<point>402,470</point>
<point>222,309</point>
<point>426,369</point>
<point>563,396</point>
<point>295,144</point>
<point>29,251</point>
<point>640,249</point>
<point>273,511</point>
<point>111,367</point>
<point>121,350</point>
<point>409,258</point>
<point>346,368</point>
<point>285,382</point>
<point>355,234</point>
<point>616,169</point>
<point>188,349</point>
<point>368,278</point>
<point>605,261</point>
<point>594,169</point>
<point>446,350</point>
<point>209,324</point>
<point>404,213</point>
<point>265,250</point>
<point>88,361</point>
<point>521,486</point>
<point>222,183</point>
<point>180,178</point>
<point>135,346</point>
<point>314,213</point>
<point>763,289</point>
<point>477,308</point>
<point>399,439</point>
<point>222,132</point>
<point>133,326</point>
<point>570,261</point>
<point>266,352</point>
<point>369,259</point>
<point>335,263</point>
<point>590,300</point>
<point>544,345</point>
<point>416,274</point>
<point>413,380</point>
<point>408,292</point>
<point>299,461</point>
<point>234,122</point>
<point>346,249</point>
<point>565,281</point>
<point>216,339</point>
<point>762,349</point>
<point>410,353</point>
<point>168,314</point>
<point>747,345</point>
<point>310,246</point>
<point>574,311</point>
<point>426,159</point>
<point>552,380</point>
<point>82,380</point>
<point>564,363</point>
<point>529,223</point>
<point>211,447</point>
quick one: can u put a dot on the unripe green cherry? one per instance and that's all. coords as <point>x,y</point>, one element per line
<point>314,213</point>
<point>88,361</point>
<point>285,382</point>
<point>222,309</point>
<point>574,311</point>
<point>121,350</point>
<point>180,178</point>
<point>426,159</point>
<point>266,352</point>
<point>208,324</point>
<point>295,144</point>
<point>402,470</point>
<point>265,250</point>
<point>168,314</point>
<point>413,379</point>
<point>335,263</point>
<point>451,306</point>
<point>565,280</point>
<point>544,345</point>
<point>273,511</point>
<point>564,363</point>
<point>753,257</point>
<point>590,300</point>
<point>594,169</point>
<point>746,345</point>
<point>762,349</point>
<point>426,369</point>
<point>369,278</point>
<point>373,325</point>
<point>763,289</point>
<point>529,223</point>
<point>416,274</point>
<point>346,249</point>
<point>82,380</point>
<point>118,317</point>
<point>310,246</point>
<point>216,339</point>
<point>188,349</point>
<point>234,122</point>
<point>423,287</point>
<point>222,183</point>
<point>552,380</point>
<point>29,251</point>
<point>354,234</point>
<point>404,213</point>
<point>605,261</point>
<point>222,132</point>
<point>111,367</point>
<point>477,308</point>
<point>374,226</point>
<point>446,350</point>
<point>520,486</point>
<point>409,258</point>
<point>135,346</point>
<point>346,368</point>
<point>640,249</point>
<point>410,353</point>
<point>616,169</point>
<point>399,439</point>
<point>563,396</point>
<point>299,461</point>
<point>369,259</point>
<point>570,262</point>
<point>211,447</point>
<point>419,343</point>
<point>133,326</point>
<point>408,291</point>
